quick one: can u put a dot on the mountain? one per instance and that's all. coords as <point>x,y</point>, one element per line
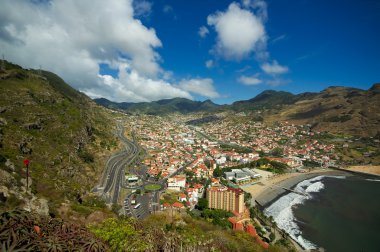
<point>166,106</point>
<point>266,99</point>
<point>342,110</point>
<point>63,133</point>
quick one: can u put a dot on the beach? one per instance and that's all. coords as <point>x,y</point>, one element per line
<point>368,169</point>
<point>270,188</point>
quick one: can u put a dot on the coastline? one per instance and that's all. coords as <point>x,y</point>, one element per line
<point>371,170</point>
<point>272,189</point>
<point>266,192</point>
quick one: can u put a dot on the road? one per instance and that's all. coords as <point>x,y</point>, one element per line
<point>114,172</point>
<point>113,180</point>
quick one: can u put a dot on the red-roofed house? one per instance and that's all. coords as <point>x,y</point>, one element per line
<point>182,197</point>
<point>178,205</point>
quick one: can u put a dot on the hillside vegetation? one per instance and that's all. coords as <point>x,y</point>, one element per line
<point>63,133</point>
<point>161,107</point>
<point>160,232</point>
<point>337,110</point>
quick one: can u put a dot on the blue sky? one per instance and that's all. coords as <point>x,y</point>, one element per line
<point>223,50</point>
<point>323,43</point>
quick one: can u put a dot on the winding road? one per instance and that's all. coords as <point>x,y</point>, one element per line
<point>113,176</point>
<point>113,180</point>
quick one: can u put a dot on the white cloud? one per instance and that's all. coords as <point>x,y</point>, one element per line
<point>203,31</point>
<point>71,38</point>
<point>249,80</point>
<point>142,8</point>
<point>131,86</point>
<point>260,6</point>
<point>203,87</point>
<point>209,63</point>
<point>274,68</point>
<point>239,32</point>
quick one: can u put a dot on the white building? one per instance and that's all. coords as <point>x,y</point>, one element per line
<point>221,160</point>
<point>177,183</point>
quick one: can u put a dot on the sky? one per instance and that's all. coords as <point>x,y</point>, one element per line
<point>145,50</point>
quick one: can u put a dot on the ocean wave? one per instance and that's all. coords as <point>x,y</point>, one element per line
<point>375,180</point>
<point>282,213</point>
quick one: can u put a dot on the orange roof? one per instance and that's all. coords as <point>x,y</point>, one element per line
<point>166,204</point>
<point>198,186</point>
<point>250,229</point>
<point>232,220</point>
<point>239,226</point>
<point>178,205</point>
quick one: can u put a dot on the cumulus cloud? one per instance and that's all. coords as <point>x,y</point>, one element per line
<point>249,80</point>
<point>274,68</point>
<point>204,87</point>
<point>131,86</point>
<point>203,31</point>
<point>71,38</point>
<point>239,32</point>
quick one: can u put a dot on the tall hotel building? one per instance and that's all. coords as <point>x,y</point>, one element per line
<point>229,199</point>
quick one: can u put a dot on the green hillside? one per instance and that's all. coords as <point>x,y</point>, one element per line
<point>161,107</point>
<point>63,133</point>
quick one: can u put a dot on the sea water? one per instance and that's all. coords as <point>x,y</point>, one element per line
<point>337,213</point>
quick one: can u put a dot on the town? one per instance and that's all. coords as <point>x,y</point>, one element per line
<point>212,166</point>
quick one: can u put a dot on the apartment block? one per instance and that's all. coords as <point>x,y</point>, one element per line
<point>225,198</point>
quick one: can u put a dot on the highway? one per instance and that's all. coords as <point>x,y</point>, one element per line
<point>113,180</point>
<point>113,176</point>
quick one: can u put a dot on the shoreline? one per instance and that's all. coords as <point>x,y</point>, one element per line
<point>271,190</point>
<point>266,192</point>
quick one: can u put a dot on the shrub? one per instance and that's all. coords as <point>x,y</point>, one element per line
<point>86,156</point>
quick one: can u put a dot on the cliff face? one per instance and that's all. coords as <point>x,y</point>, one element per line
<point>60,130</point>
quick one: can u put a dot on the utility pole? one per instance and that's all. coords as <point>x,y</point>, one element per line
<point>39,71</point>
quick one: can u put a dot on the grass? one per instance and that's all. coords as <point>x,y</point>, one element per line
<point>152,187</point>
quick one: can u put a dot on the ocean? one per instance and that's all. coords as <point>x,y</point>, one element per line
<point>338,213</point>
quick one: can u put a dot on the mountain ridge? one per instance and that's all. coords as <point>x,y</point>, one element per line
<point>164,106</point>
<point>338,109</point>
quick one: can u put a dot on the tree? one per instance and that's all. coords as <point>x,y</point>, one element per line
<point>277,152</point>
<point>262,162</point>
<point>217,172</point>
<point>253,212</point>
<point>202,204</point>
<point>272,236</point>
